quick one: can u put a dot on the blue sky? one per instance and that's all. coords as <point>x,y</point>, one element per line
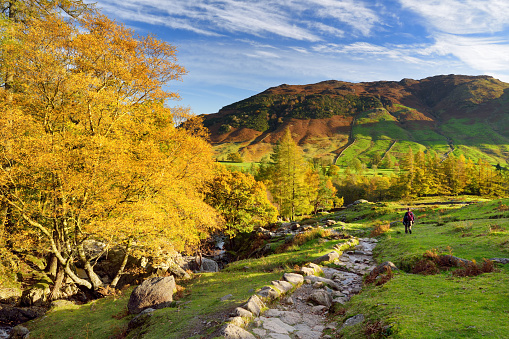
<point>233,49</point>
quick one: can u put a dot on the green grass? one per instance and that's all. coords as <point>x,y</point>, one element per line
<point>415,306</point>
<point>439,306</point>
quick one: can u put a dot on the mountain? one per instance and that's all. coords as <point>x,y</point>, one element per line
<point>339,120</point>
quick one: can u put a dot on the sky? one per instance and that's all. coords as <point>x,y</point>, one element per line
<point>233,49</point>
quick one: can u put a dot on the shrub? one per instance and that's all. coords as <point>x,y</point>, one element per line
<point>380,229</point>
<point>473,269</point>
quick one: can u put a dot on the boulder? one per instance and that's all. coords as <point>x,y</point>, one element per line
<point>293,278</point>
<point>240,312</point>
<point>269,292</point>
<point>283,286</point>
<point>19,332</point>
<point>207,265</point>
<point>231,331</point>
<point>154,293</point>
<point>327,257</point>
<point>356,319</point>
<point>10,295</point>
<point>321,297</point>
<point>254,305</point>
<point>17,315</point>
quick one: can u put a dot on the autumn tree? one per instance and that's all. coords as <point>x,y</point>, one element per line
<point>240,199</point>
<point>89,150</point>
<point>287,178</point>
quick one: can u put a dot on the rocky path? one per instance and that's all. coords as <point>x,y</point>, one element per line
<point>303,314</point>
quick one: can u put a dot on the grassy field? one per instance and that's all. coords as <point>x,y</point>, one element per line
<point>407,306</point>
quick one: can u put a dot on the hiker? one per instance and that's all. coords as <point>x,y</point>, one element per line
<point>408,221</point>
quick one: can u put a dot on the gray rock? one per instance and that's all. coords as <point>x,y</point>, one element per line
<point>356,319</point>
<point>293,278</point>
<point>327,257</point>
<point>154,293</point>
<point>231,331</point>
<point>226,297</point>
<point>331,283</point>
<point>141,319</point>
<point>254,305</point>
<point>283,286</point>
<point>501,260</point>
<point>321,297</point>
<point>360,201</point>
<point>17,315</point>
<point>238,321</point>
<point>240,312</point>
<point>19,332</point>
<point>207,265</point>
<point>269,292</point>
<point>277,325</point>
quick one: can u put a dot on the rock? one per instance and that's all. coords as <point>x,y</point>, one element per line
<point>36,296</point>
<point>330,222</point>
<point>231,331</point>
<point>269,292</point>
<point>226,297</point>
<point>283,286</point>
<point>141,319</point>
<point>10,295</point>
<point>207,265</point>
<point>360,201</point>
<point>319,309</point>
<point>238,321</point>
<point>19,332</point>
<point>356,319</point>
<point>154,293</point>
<point>321,297</point>
<point>327,257</point>
<point>331,283</point>
<point>318,284</point>
<point>254,305</point>
<point>293,278</point>
<point>240,312</point>
<point>277,325</point>
<point>17,315</point>
<point>307,271</point>
<point>501,260</point>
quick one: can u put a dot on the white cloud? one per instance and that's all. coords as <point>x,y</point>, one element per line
<point>462,16</point>
<point>294,19</point>
<point>485,54</point>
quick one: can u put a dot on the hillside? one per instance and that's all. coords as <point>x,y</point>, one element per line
<point>337,120</point>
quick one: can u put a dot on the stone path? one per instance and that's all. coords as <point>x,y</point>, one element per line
<point>302,315</point>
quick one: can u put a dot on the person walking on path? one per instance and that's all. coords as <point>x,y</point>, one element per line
<point>408,221</point>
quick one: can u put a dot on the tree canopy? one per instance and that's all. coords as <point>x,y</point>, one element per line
<point>88,147</point>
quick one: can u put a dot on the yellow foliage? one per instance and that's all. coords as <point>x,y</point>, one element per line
<point>89,148</point>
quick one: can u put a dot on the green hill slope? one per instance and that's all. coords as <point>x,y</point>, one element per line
<point>338,120</point>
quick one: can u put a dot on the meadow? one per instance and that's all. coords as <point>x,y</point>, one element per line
<point>409,305</point>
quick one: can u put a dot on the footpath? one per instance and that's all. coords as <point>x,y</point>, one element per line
<point>303,313</point>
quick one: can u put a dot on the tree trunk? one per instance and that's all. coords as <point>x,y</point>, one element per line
<point>52,266</point>
<point>55,291</point>
<point>94,278</point>
<point>122,265</point>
